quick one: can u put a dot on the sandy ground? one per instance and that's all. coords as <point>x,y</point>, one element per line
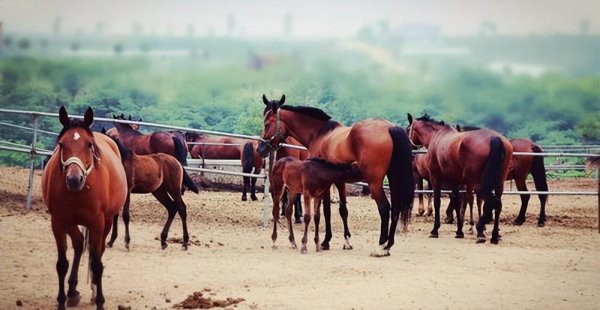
<point>554,267</point>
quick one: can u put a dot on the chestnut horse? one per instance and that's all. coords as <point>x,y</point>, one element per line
<point>161,175</point>
<point>477,159</point>
<point>311,178</point>
<point>234,148</point>
<point>520,167</point>
<point>84,183</point>
<point>302,155</point>
<point>376,145</point>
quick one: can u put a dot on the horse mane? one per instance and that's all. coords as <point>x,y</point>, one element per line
<point>428,118</point>
<point>469,128</point>
<point>124,151</point>
<point>309,111</point>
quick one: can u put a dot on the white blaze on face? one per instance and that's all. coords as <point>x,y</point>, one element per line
<point>76,136</point>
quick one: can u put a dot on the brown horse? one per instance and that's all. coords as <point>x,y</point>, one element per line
<point>216,147</point>
<point>376,145</point>
<point>302,155</point>
<point>520,167</point>
<point>161,175</point>
<point>84,183</point>
<point>311,178</point>
<point>476,159</point>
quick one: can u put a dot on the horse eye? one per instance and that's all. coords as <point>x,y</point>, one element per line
<point>90,145</point>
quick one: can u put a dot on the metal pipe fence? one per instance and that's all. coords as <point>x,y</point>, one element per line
<point>33,151</point>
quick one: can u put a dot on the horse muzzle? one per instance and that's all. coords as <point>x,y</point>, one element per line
<point>75,182</point>
<point>263,149</point>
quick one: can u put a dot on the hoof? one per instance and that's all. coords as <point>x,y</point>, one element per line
<point>380,253</point>
<point>541,224</point>
<point>433,235</point>
<point>298,220</point>
<point>244,198</point>
<point>109,245</point>
<point>471,231</point>
<point>163,245</point>
<point>274,246</point>
<point>459,235</point>
<point>303,251</point>
<point>184,247</point>
<point>518,222</point>
<point>61,307</point>
<point>325,246</point>
<point>254,198</point>
<point>480,240</point>
<point>347,247</point>
<point>448,220</point>
<point>293,245</point>
<point>127,246</point>
<point>73,300</point>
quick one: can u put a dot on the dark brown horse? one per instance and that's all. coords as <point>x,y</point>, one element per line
<point>161,175</point>
<point>311,178</point>
<point>520,167</point>
<point>84,183</point>
<point>215,147</point>
<point>476,159</point>
<point>376,145</point>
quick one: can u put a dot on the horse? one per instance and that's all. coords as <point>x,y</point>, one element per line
<point>84,183</point>
<point>311,178</point>
<point>520,167</point>
<point>234,148</point>
<point>302,155</point>
<point>478,158</point>
<point>377,146</point>
<point>161,175</point>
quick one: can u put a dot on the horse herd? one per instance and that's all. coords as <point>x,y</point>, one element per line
<point>90,175</point>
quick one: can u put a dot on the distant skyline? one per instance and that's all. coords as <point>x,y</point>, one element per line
<point>271,18</point>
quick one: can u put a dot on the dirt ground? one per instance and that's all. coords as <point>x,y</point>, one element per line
<point>554,267</point>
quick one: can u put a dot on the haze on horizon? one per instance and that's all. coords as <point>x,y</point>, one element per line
<point>312,18</point>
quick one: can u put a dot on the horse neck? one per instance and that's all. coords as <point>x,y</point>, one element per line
<point>125,130</point>
<point>302,127</point>
<point>434,132</point>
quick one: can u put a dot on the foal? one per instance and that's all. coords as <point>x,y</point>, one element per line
<point>311,178</point>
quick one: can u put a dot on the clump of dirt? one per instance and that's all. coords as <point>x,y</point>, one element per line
<point>197,301</point>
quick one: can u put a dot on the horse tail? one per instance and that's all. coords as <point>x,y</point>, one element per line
<point>180,151</point>
<point>248,158</point>
<point>188,182</point>
<point>538,171</point>
<point>492,173</point>
<point>400,174</point>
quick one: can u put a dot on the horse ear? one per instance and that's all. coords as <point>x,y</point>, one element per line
<point>410,118</point>
<point>458,127</point>
<point>265,100</point>
<point>103,130</point>
<point>282,100</point>
<point>88,118</point>
<point>141,120</point>
<point>63,116</point>
<point>129,116</point>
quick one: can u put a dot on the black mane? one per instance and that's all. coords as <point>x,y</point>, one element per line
<point>309,111</point>
<point>428,118</point>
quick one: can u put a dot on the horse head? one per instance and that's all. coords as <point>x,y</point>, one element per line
<point>274,131</point>
<point>77,148</point>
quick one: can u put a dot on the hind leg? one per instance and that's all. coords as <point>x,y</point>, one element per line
<point>115,233</point>
<point>459,214</point>
<point>344,215</point>
<point>253,186</point>
<point>288,215</point>
<point>542,218</point>
<point>384,208</point>
<point>307,215</point>
<point>327,215</point>
<point>162,196</point>
<point>522,186</point>
<point>126,221</point>
<point>246,186</point>
<point>298,209</point>
<point>182,211</point>
<point>496,230</point>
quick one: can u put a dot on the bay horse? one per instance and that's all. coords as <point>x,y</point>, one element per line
<point>234,148</point>
<point>302,155</point>
<point>161,175</point>
<point>377,146</point>
<point>84,183</point>
<point>310,178</point>
<point>476,159</point>
<point>520,167</point>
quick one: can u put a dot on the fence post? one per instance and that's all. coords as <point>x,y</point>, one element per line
<point>598,189</point>
<point>267,197</point>
<point>31,166</point>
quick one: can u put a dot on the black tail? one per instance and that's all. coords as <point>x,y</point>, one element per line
<point>188,182</point>
<point>180,151</point>
<point>400,174</point>
<point>538,171</point>
<point>492,173</point>
<point>248,158</point>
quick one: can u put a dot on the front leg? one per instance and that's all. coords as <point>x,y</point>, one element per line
<point>437,194</point>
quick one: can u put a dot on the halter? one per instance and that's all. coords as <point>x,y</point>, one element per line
<point>277,133</point>
<point>410,129</point>
<point>78,162</point>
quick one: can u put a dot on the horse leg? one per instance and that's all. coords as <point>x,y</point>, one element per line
<point>542,218</point>
<point>284,202</point>
<point>470,202</point>
<point>459,215</point>
<point>277,193</point>
<point>327,215</point>
<point>488,206</point>
<point>253,186</point>
<point>163,197</point>
<point>437,197</point>
<point>288,214</point>
<point>73,295</point>
<point>421,208</point>
<point>344,215</point>
<point>522,186</point>
<point>96,250</point>
<point>246,185</point>
<point>126,221</point>
<point>449,209</point>
<point>182,211</point>
<point>114,234</point>
<point>383,206</point>
<point>298,209</point>
<point>307,211</point>
<point>62,264</point>
<point>317,217</point>
<point>429,208</point>
<point>497,210</point>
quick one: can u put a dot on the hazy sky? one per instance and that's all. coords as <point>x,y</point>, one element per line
<point>310,17</point>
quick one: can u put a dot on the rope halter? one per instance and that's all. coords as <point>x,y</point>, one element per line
<point>75,160</point>
<point>277,134</point>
